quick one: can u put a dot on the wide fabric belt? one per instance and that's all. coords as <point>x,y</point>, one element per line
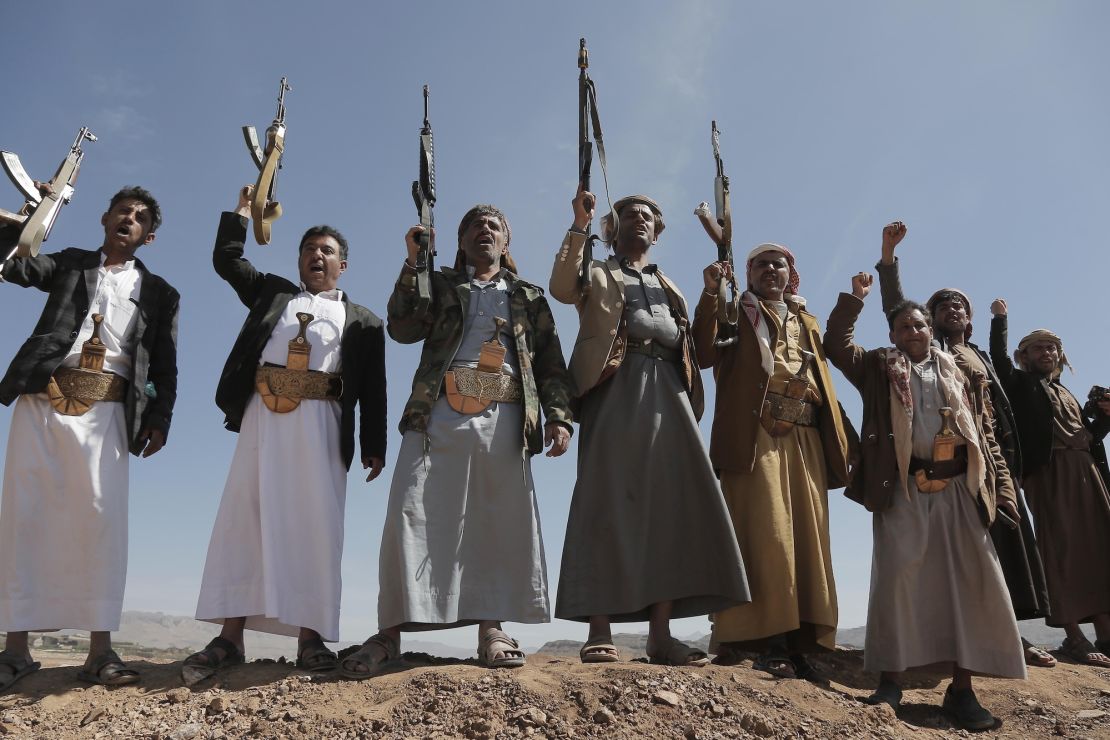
<point>283,389</point>
<point>484,386</point>
<point>74,390</point>
<point>793,410</point>
<point>652,349</point>
<point>938,470</point>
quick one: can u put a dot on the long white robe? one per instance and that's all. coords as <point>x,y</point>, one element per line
<point>63,513</point>
<point>277,543</point>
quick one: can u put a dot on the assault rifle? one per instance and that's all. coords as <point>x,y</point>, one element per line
<point>424,195</point>
<point>719,229</point>
<point>38,214</point>
<point>587,116</point>
<point>264,209</point>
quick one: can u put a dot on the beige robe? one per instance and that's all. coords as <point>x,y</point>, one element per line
<point>781,517</point>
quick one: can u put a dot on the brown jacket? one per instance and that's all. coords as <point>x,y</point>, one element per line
<point>876,474</point>
<point>599,348</point>
<point>742,388</point>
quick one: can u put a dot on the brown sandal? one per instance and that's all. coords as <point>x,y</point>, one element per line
<point>498,641</point>
<point>599,650</point>
<point>678,653</point>
<point>365,656</point>
<point>1082,651</point>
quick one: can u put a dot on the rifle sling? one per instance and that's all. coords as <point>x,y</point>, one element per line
<point>263,211</point>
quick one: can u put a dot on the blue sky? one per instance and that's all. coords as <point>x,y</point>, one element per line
<point>981,125</point>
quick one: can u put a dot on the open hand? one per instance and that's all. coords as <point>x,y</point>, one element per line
<point>861,285</point>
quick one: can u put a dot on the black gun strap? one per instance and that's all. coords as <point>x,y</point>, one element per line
<point>595,121</point>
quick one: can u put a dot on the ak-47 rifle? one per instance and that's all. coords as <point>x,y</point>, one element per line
<point>587,115</point>
<point>38,214</point>
<point>719,229</point>
<point>424,195</point>
<point>264,209</point>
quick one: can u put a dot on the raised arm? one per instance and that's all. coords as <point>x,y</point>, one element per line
<point>705,326</point>
<point>1000,355</point>
<point>409,319</point>
<point>565,284</point>
<point>890,282</point>
<point>227,255</point>
<point>842,351</point>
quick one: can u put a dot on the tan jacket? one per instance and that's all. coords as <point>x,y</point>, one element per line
<point>599,348</point>
<point>742,388</point>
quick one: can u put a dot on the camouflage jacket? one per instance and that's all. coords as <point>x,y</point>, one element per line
<point>543,372</point>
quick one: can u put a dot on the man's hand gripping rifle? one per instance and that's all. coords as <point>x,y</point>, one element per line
<point>264,209</point>
<point>424,195</point>
<point>720,231</point>
<point>44,200</point>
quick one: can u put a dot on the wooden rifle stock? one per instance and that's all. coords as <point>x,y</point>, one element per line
<point>40,211</point>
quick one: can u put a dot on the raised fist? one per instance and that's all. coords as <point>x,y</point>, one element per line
<point>893,233</point>
<point>861,285</point>
<point>998,307</point>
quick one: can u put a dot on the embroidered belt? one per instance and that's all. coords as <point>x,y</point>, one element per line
<point>485,386</point>
<point>653,349</point>
<point>283,389</point>
<point>793,410</point>
<point>73,390</point>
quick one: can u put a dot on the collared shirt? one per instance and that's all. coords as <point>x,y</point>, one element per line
<point>647,310</point>
<point>324,332</point>
<point>787,342</point>
<point>114,294</point>
<point>928,400</point>
<point>489,301</point>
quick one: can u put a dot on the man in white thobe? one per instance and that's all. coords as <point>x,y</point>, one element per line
<point>305,357</point>
<point>63,517</point>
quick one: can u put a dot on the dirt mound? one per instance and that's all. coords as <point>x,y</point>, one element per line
<point>550,697</point>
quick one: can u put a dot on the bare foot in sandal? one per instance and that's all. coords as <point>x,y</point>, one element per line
<point>672,651</point>
<point>1082,651</point>
<point>496,649</point>
<point>599,649</point>
<point>1037,657</point>
<point>374,655</point>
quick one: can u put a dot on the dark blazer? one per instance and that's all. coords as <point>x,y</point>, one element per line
<point>153,389</point>
<point>1032,408</point>
<point>362,352</point>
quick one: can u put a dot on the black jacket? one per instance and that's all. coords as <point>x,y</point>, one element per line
<point>153,389</point>
<point>1032,408</point>
<point>362,352</point>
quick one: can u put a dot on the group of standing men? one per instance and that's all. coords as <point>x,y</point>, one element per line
<point>658,528</point>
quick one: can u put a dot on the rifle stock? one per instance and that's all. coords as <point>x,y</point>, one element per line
<point>41,210</point>
<point>264,209</point>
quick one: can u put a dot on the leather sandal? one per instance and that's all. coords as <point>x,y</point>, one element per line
<point>17,666</point>
<point>497,642</point>
<point>1082,651</point>
<point>678,653</point>
<point>108,669</point>
<point>313,655</point>
<point>379,644</point>
<point>599,650</point>
<point>218,654</point>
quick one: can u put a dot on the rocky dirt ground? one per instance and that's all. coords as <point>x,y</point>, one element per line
<point>551,697</point>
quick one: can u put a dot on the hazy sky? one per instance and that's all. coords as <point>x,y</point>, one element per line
<point>981,125</point>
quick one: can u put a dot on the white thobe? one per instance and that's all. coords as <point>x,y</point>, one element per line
<point>277,543</point>
<point>63,516</point>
